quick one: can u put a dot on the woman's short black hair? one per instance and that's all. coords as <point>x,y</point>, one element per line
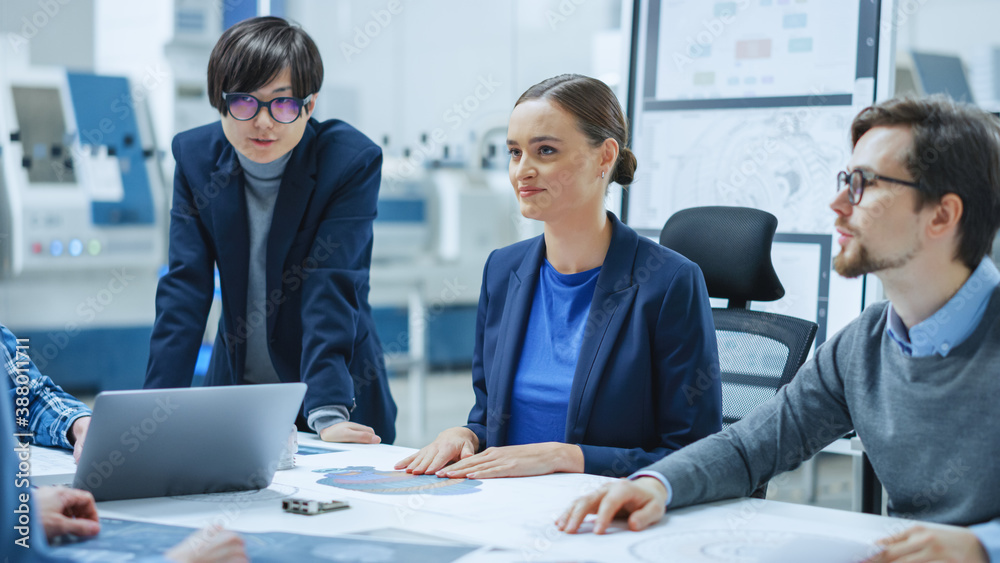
<point>252,52</point>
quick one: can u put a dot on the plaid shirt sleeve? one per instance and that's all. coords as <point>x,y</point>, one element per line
<point>41,408</point>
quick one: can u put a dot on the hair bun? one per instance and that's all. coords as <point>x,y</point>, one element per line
<point>625,169</point>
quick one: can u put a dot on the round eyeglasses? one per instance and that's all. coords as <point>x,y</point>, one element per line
<point>244,107</point>
<point>857,180</point>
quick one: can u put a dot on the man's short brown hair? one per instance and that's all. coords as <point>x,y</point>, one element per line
<point>956,149</point>
<point>252,52</point>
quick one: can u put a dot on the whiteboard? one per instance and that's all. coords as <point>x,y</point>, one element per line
<point>749,103</point>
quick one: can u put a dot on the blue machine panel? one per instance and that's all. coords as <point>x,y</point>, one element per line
<point>451,334</point>
<point>105,116</point>
<point>235,12</point>
<point>101,359</point>
<point>402,210</point>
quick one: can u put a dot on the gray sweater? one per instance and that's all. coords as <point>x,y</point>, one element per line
<point>930,425</point>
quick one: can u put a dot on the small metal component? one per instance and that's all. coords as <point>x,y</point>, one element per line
<point>311,507</point>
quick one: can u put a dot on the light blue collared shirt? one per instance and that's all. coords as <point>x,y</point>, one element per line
<point>951,324</point>
<point>940,333</point>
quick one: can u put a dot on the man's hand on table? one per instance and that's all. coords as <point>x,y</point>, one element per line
<point>643,501</point>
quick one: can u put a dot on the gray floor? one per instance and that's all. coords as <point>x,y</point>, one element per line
<point>450,397</point>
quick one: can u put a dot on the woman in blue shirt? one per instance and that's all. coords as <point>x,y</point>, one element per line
<point>595,347</point>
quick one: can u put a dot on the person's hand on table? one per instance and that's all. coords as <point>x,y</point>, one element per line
<point>451,445</point>
<point>210,545</point>
<point>349,432</point>
<point>78,433</point>
<point>924,545</point>
<point>643,501</point>
<point>67,511</point>
<point>517,461</point>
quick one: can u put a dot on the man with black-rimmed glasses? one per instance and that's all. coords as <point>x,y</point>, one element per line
<point>916,376</point>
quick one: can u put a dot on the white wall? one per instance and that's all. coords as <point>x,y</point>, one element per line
<point>451,65</point>
<point>968,28</point>
<point>55,32</point>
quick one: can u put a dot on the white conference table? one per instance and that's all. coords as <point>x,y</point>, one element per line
<point>505,519</point>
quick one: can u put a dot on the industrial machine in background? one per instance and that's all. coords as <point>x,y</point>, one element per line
<point>82,222</point>
<point>438,220</point>
<point>439,217</point>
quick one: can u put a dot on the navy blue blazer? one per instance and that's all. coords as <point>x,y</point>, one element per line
<point>319,324</point>
<point>647,381</point>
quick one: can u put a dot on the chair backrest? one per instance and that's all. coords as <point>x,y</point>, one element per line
<point>732,246</point>
<point>758,352</point>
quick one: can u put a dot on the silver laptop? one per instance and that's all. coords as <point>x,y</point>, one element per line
<point>164,442</point>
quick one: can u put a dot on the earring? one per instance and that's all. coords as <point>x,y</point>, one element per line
<point>602,174</point>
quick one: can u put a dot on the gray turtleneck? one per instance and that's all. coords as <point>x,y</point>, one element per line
<point>262,184</point>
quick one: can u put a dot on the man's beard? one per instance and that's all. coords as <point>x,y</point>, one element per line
<point>862,262</point>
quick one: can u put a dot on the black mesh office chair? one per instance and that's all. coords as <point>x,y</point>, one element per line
<point>758,352</point>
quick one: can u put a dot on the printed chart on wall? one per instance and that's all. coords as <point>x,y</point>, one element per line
<point>749,103</point>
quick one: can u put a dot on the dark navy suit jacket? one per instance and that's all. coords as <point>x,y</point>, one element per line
<point>318,321</point>
<point>647,380</point>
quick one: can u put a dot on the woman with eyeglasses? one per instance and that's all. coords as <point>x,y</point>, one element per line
<point>282,205</point>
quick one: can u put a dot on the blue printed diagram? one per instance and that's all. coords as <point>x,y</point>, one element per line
<point>367,479</point>
<point>313,450</point>
<point>125,540</point>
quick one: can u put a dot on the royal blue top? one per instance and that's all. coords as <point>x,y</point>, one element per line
<point>540,396</point>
